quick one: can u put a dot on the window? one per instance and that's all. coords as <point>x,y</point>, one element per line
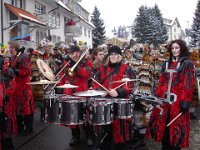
<point>37,37</point>
<point>58,19</point>
<point>41,36</point>
<point>89,34</point>
<point>85,32</point>
<point>21,4</point>
<point>54,39</point>
<point>14,2</point>
<point>58,38</point>
<point>55,18</point>
<point>81,30</point>
<point>39,9</point>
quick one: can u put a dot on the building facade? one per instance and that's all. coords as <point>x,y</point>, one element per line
<point>174,29</point>
<point>28,22</point>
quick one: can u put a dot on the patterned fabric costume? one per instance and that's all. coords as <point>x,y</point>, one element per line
<point>182,86</point>
<point>8,125</point>
<point>25,103</point>
<point>121,127</point>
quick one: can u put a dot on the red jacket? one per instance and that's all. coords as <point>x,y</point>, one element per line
<point>80,77</point>
<point>106,80</point>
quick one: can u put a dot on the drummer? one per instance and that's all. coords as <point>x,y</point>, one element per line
<point>78,77</point>
<point>21,64</point>
<point>120,130</point>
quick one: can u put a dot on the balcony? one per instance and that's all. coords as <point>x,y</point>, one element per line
<point>52,22</point>
<point>73,31</point>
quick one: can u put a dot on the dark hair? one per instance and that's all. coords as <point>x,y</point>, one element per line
<point>74,48</point>
<point>96,50</point>
<point>183,47</point>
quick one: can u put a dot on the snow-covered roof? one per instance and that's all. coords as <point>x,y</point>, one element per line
<point>170,22</point>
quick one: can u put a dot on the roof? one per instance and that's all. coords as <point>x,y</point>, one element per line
<point>23,14</point>
<point>63,5</point>
<point>172,21</point>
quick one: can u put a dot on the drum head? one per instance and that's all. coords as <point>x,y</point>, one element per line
<point>45,69</point>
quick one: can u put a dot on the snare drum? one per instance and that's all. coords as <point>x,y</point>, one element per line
<point>123,108</point>
<point>100,111</point>
<point>73,110</point>
<point>52,109</point>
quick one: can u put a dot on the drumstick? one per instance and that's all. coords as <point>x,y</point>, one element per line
<point>119,86</point>
<point>174,119</point>
<point>100,84</point>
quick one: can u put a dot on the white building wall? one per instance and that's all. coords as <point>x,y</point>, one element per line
<point>85,37</point>
<point>6,18</point>
<point>59,33</point>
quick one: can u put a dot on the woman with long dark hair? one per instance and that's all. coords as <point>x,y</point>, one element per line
<point>176,85</point>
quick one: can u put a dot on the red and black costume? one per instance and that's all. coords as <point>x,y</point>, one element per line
<point>8,125</point>
<point>120,130</point>
<point>24,97</point>
<point>79,77</point>
<point>177,134</point>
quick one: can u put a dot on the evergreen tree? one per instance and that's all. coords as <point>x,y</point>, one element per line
<point>98,34</point>
<point>195,31</point>
<point>141,25</point>
<point>149,26</point>
<point>160,28</point>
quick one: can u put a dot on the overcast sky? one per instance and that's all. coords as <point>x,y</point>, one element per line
<point>123,12</point>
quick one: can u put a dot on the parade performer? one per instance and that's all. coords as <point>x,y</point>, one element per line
<point>21,64</point>
<point>156,63</point>
<point>175,85</point>
<point>8,125</point>
<point>116,135</point>
<point>78,77</point>
<point>142,66</point>
<point>195,58</point>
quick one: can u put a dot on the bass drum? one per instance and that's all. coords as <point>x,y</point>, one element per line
<point>38,92</point>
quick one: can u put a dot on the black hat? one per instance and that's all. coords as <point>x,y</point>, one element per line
<point>74,48</point>
<point>115,49</point>
<point>55,48</point>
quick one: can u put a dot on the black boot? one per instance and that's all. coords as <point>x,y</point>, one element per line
<point>139,143</point>
<point>28,122</point>
<point>75,136</point>
<point>7,144</point>
<point>20,124</point>
<point>89,131</point>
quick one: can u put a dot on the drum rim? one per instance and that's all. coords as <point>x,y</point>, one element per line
<point>72,97</point>
<point>70,101</point>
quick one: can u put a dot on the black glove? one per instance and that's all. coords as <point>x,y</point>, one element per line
<point>67,57</point>
<point>72,63</point>
<point>16,70</point>
<point>6,99</point>
<point>184,106</point>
